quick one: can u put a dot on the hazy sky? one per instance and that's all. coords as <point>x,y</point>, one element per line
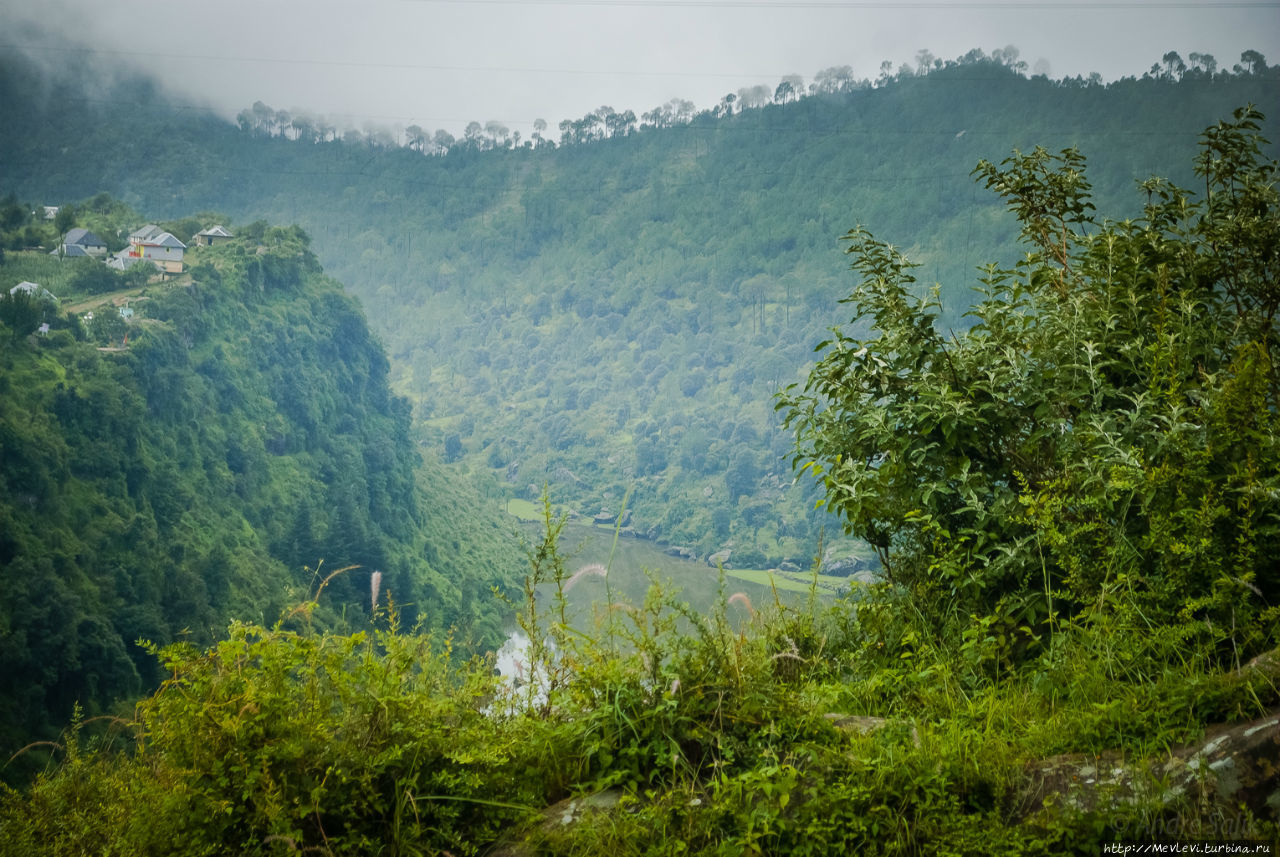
<point>440,64</point>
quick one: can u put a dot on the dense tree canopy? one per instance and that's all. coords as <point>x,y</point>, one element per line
<point>1109,425</point>
<point>244,441</point>
<point>574,315</point>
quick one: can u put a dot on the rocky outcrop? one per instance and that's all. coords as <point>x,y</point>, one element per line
<point>606,517</point>
<point>859,724</point>
<point>1233,767</point>
<point>563,814</point>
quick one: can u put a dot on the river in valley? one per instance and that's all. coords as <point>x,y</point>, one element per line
<point>599,574</point>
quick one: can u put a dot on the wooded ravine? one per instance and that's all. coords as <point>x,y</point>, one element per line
<point>984,363</point>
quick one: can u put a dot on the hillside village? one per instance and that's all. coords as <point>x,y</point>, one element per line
<point>147,243</point>
<point>161,253</point>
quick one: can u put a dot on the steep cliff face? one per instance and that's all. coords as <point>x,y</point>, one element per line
<point>237,448</point>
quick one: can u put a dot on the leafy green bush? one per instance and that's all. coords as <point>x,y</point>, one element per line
<point>711,740</point>
<point>91,277</point>
<point>341,742</point>
<point>1104,436</point>
<point>275,741</point>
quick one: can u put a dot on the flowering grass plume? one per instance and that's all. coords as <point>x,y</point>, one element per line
<point>594,569</point>
<point>741,599</point>
<point>375,584</point>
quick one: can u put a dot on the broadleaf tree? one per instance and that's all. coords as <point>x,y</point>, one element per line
<point>1102,437</point>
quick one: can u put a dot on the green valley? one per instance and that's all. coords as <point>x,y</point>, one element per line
<point>891,469</point>
<point>614,313</point>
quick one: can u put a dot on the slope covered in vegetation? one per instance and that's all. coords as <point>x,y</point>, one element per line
<point>613,313</point>
<point>1076,504</point>
<point>213,457</point>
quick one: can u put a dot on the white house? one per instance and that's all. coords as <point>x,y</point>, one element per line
<point>35,291</point>
<point>212,235</point>
<point>154,244</point>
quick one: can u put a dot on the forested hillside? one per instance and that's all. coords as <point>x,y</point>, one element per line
<point>215,456</point>
<point>614,312</point>
<point>1074,647</point>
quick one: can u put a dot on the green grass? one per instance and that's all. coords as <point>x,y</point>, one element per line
<point>38,267</point>
<point>786,581</point>
<point>525,510</point>
<point>689,734</point>
<point>635,563</point>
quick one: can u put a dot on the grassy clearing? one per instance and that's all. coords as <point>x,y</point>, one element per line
<point>634,565</point>
<point>787,581</point>
<point>635,560</point>
<point>525,510</point>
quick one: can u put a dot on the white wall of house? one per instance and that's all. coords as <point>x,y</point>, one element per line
<point>168,259</point>
<point>161,254</point>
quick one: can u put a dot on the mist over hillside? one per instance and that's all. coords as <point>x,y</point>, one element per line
<point>609,313</point>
